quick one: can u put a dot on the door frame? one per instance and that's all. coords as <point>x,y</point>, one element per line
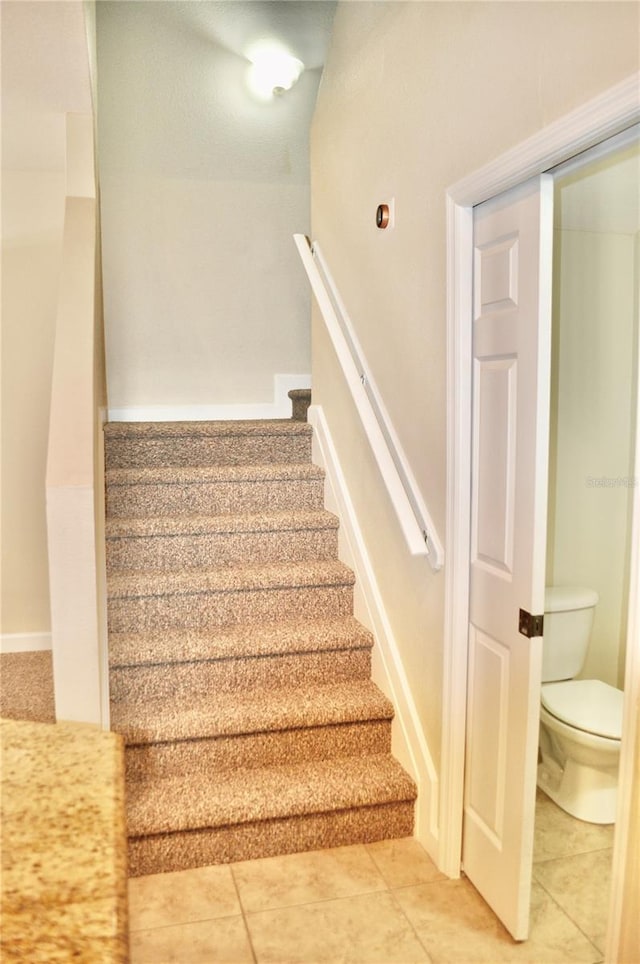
<point>599,119</point>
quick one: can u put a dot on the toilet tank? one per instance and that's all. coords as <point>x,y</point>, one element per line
<point>568,618</point>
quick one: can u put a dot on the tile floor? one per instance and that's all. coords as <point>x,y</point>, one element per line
<point>381,902</point>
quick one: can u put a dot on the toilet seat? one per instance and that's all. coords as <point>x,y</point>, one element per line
<point>586,704</point>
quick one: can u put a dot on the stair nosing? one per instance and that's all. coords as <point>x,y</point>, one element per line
<point>232,715</point>
<point>137,584</point>
<point>241,641</point>
<point>197,524</point>
<point>178,475</point>
<point>224,428</point>
<point>327,786</point>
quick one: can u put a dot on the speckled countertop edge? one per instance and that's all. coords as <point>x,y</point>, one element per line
<point>64,859</point>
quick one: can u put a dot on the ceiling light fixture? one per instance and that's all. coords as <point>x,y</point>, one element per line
<point>273,70</point>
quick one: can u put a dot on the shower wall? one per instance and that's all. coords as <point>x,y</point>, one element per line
<point>595,330</point>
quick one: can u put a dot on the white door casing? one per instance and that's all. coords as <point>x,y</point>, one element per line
<point>513,237</point>
<point>604,116</point>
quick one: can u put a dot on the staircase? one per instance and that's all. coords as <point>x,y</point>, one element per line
<point>239,678</point>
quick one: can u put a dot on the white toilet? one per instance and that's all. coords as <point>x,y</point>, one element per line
<point>580,720</point>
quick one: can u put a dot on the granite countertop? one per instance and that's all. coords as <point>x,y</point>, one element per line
<point>64,863</point>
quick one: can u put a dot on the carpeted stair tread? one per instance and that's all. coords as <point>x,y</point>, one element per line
<point>206,443</point>
<point>255,750</point>
<point>175,681</point>
<point>214,489</point>
<point>192,541</point>
<point>174,804</point>
<point>242,427</point>
<point>279,521</point>
<point>240,679</point>
<point>237,641</point>
<point>254,711</point>
<point>132,584</point>
<point>231,474</point>
<point>168,852</point>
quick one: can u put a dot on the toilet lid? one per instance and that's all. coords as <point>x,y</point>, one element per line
<point>587,704</point>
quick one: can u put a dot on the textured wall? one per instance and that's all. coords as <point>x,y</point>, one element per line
<point>32,222</point>
<point>595,333</point>
<point>44,75</point>
<point>202,189</point>
<point>414,97</point>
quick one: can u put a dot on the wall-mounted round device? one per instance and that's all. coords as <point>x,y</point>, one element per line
<point>382,216</point>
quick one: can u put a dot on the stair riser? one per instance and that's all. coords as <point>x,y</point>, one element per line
<point>259,749</point>
<point>164,853</point>
<point>122,453</point>
<point>220,549</point>
<point>237,643</point>
<point>177,680</point>
<point>202,610</point>
<point>214,498</point>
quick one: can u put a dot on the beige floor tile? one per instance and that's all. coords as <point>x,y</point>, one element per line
<point>580,885</point>
<point>182,897</point>
<point>306,878</point>
<point>355,930</point>
<point>558,834</point>
<point>404,862</point>
<point>455,925</point>
<point>206,942</point>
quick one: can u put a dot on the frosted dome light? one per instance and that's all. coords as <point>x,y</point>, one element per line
<point>273,70</point>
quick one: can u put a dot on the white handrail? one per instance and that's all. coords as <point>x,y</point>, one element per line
<point>415,521</point>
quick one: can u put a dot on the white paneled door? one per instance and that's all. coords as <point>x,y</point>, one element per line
<point>513,236</point>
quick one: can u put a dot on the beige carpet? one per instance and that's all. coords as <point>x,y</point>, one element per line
<point>26,687</point>
<point>239,678</point>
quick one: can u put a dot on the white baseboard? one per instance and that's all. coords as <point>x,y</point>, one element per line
<point>24,642</point>
<point>280,407</point>
<point>408,741</point>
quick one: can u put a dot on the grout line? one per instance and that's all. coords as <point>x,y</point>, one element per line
<point>244,915</point>
<point>398,905</point>
<point>566,913</point>
<point>182,923</point>
<point>320,900</point>
<point>377,866</point>
<point>574,853</point>
<point>428,883</point>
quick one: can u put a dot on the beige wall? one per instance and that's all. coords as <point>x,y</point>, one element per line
<point>415,96</point>
<point>204,300</point>
<point>32,224</point>
<point>593,396</point>
<point>44,77</point>
<point>202,189</point>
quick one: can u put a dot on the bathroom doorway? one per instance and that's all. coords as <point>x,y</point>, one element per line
<point>592,124</point>
<point>594,384</point>
<point>593,391</point>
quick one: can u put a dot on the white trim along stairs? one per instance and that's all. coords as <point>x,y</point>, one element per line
<point>239,677</point>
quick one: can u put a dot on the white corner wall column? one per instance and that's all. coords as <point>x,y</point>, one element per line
<point>601,118</point>
<point>70,479</point>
